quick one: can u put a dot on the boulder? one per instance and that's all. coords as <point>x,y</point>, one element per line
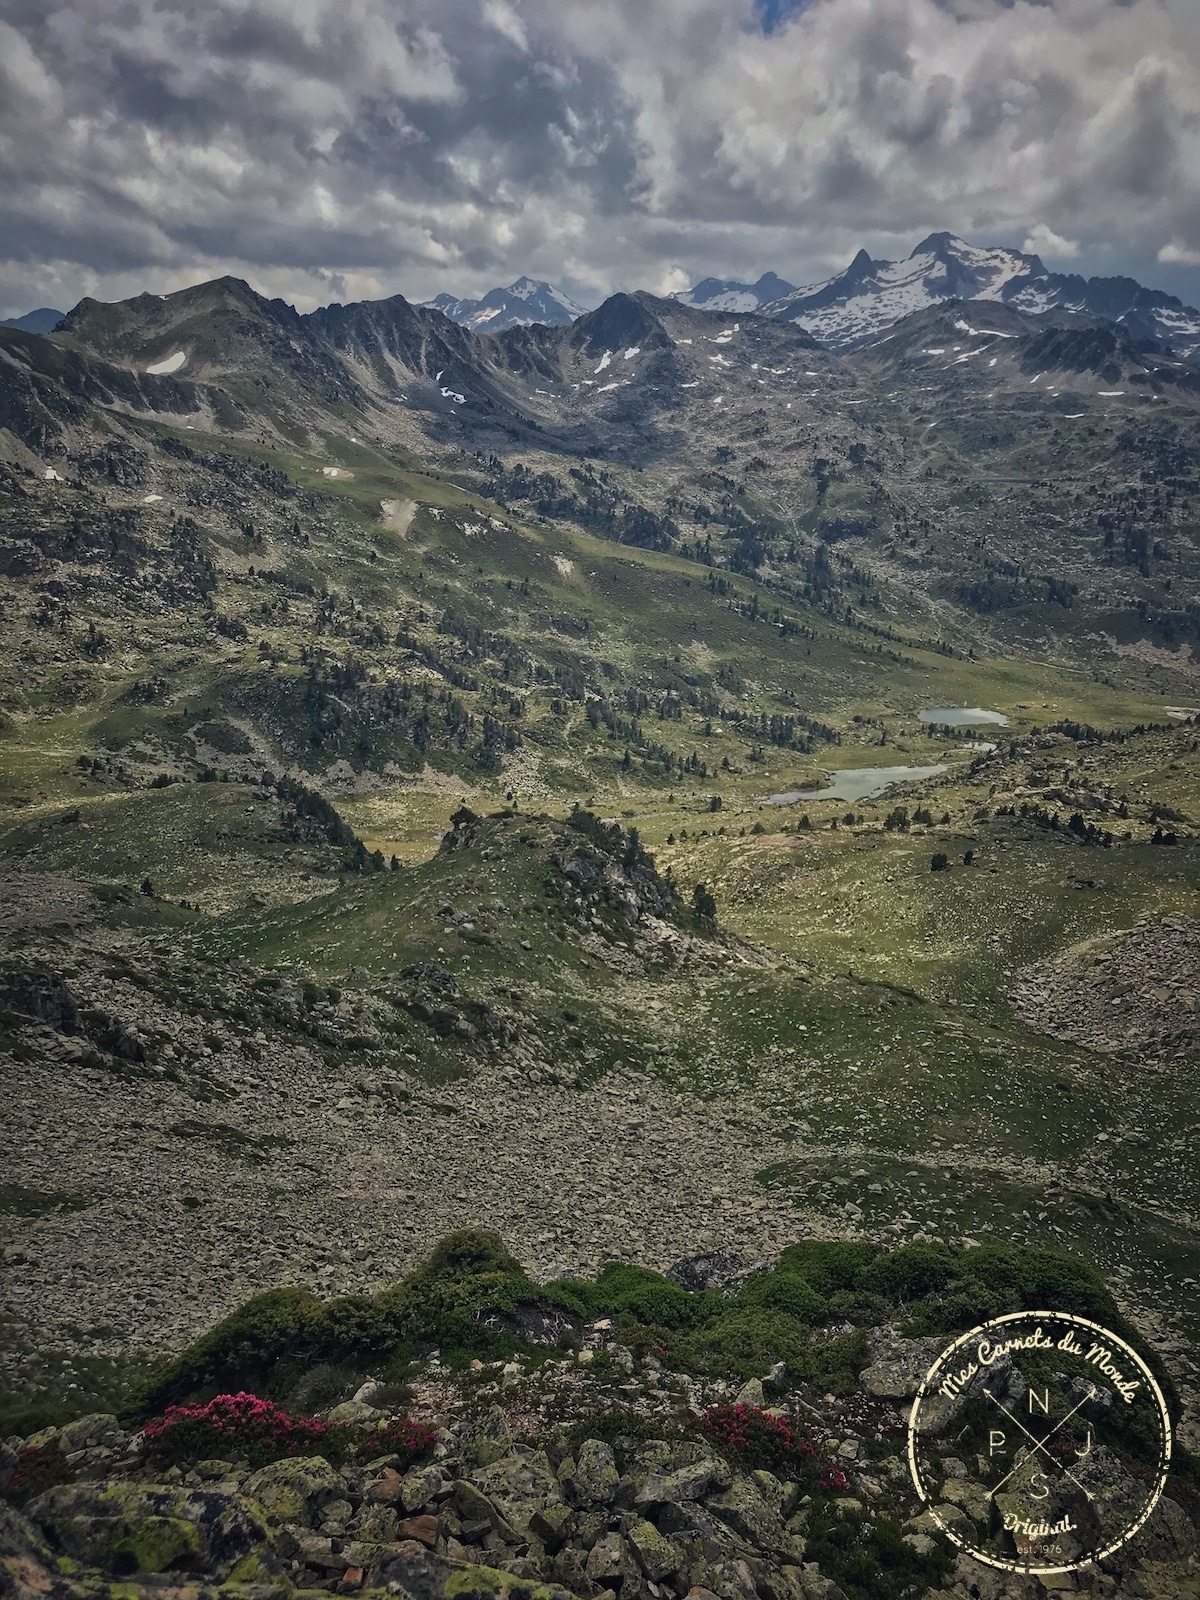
<point>592,1478</point>
<point>971,1496</point>
<point>743,1508</point>
<point>474,1506</point>
<point>419,1574</point>
<point>713,1270</point>
<point>518,1485</point>
<point>656,1555</point>
<point>92,1432</point>
<point>125,1528</point>
<point>553,1525</point>
<point>423,1529</point>
<point>294,1490</point>
<point>687,1483</point>
<point>898,1366</point>
<point>354,1411</point>
<point>606,1559</point>
<point>492,1439</point>
<point>419,1487</point>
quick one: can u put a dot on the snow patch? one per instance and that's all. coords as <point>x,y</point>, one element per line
<point>604,361</point>
<point>171,363</point>
<point>634,350</point>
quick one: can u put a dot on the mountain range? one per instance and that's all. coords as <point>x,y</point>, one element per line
<point>870,296</point>
<point>523,302</point>
<point>855,305</point>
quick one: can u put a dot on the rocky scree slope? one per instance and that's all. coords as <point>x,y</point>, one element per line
<point>593,1457</point>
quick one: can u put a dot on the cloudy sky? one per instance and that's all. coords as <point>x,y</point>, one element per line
<point>347,149</point>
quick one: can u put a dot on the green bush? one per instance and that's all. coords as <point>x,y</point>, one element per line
<point>783,1291</point>
<point>743,1344</point>
<point>639,1293</point>
<point>242,1350</point>
<point>911,1272</point>
<point>828,1264</point>
<point>833,1365</point>
<point>469,1274</point>
<point>351,1326</point>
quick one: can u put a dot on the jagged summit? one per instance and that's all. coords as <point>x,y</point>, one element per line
<point>727,294</point>
<point>870,295</point>
<point>526,301</point>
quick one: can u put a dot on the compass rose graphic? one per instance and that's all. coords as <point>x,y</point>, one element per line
<point>1039,1442</point>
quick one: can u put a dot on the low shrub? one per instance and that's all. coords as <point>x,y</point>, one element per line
<point>401,1437</point>
<point>783,1291</point>
<point>637,1293</point>
<point>469,1274</point>
<point>743,1344</point>
<point>36,1469</point>
<point>243,1349</point>
<point>758,1441</point>
<point>871,1559</point>
<point>911,1272</point>
<point>828,1265</point>
<point>230,1427</point>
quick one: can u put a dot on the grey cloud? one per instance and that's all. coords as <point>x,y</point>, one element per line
<point>338,148</point>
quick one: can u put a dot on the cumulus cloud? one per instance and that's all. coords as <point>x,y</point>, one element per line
<point>1043,241</point>
<point>1179,255</point>
<point>348,148</point>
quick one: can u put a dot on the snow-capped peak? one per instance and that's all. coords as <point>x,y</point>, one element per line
<point>870,296</point>
<point>525,301</point>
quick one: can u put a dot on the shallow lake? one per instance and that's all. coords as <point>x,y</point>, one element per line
<point>856,783</point>
<point>961,716</point>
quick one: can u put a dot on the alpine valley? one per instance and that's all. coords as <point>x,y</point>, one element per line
<point>707,788</point>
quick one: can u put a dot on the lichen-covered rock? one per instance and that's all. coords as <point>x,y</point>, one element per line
<point>898,1366</point>
<point>655,1553</point>
<point>27,1565</point>
<point>570,1568</point>
<point>743,1508</point>
<point>124,1528</point>
<point>491,1440</point>
<point>519,1484</point>
<point>295,1490</point>
<point>421,1486</point>
<point>419,1574</point>
<point>971,1496</point>
<point>376,1524</point>
<point>93,1432</point>
<point>354,1411</point>
<point>606,1560</point>
<point>553,1525</point>
<point>592,1478</point>
<point>690,1482</point>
